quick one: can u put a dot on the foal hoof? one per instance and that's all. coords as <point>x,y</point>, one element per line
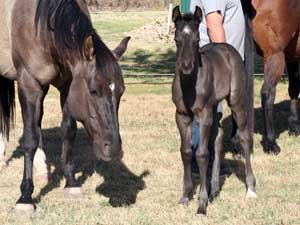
<point>25,207</point>
<point>201,210</point>
<point>251,194</point>
<point>184,201</point>
<point>213,195</point>
<point>202,207</point>
<point>271,147</point>
<point>294,129</point>
<point>73,193</point>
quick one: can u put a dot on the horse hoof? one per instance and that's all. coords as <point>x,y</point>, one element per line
<point>213,195</point>
<point>201,210</point>
<point>24,207</point>
<point>184,201</point>
<point>271,147</point>
<point>294,130</point>
<point>251,194</point>
<point>73,193</point>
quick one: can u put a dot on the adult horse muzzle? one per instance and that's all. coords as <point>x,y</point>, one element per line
<point>108,150</point>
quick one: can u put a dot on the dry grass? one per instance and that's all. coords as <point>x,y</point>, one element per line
<point>147,187</point>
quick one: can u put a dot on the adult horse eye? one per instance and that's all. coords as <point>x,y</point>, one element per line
<point>94,92</point>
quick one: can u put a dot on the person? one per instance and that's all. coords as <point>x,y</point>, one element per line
<point>223,21</point>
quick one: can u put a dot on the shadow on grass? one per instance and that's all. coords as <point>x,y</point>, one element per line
<point>120,185</point>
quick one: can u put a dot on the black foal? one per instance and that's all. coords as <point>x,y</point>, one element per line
<point>202,80</point>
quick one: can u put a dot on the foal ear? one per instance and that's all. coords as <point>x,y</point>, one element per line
<point>88,48</point>
<point>176,15</point>
<point>121,48</point>
<point>198,14</point>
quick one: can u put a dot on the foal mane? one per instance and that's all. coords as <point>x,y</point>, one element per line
<point>63,23</point>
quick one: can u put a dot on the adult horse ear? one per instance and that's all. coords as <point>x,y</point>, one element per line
<point>121,48</point>
<point>176,15</point>
<point>88,48</point>
<point>198,14</point>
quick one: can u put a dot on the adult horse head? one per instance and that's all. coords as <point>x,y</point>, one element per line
<point>97,84</point>
<point>54,42</point>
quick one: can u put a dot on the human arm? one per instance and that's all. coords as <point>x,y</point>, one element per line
<point>215,27</point>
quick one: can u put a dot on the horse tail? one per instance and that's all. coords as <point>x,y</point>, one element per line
<point>7,105</point>
<point>249,14</point>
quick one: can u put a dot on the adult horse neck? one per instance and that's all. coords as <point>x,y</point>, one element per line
<point>54,42</point>
<point>276,27</point>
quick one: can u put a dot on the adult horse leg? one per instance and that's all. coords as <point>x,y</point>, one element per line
<point>31,98</point>
<point>39,161</point>
<point>184,123</point>
<point>294,90</point>
<point>69,129</point>
<point>205,119</point>
<point>246,142</point>
<point>274,66</point>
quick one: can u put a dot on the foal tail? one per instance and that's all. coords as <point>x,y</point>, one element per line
<point>249,13</point>
<point>7,105</point>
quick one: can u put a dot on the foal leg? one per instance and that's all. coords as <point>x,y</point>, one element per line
<point>202,156</point>
<point>274,66</point>
<point>246,143</point>
<point>69,129</point>
<point>215,178</point>
<point>294,90</point>
<point>184,124</point>
<point>30,96</point>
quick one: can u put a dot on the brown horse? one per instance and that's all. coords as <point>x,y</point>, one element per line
<point>47,42</point>
<point>276,27</point>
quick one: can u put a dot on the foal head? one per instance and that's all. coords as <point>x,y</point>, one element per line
<point>187,39</point>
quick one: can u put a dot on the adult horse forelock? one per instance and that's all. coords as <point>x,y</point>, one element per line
<point>276,26</point>
<point>201,81</point>
<point>54,42</point>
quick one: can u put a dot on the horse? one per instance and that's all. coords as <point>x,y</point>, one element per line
<point>53,42</point>
<point>275,27</point>
<point>201,81</point>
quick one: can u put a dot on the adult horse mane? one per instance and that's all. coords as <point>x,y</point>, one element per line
<point>66,25</point>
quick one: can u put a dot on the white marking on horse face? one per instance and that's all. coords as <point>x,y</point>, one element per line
<point>112,87</point>
<point>187,30</point>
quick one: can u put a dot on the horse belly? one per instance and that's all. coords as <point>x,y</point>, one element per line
<point>7,68</point>
<point>292,52</point>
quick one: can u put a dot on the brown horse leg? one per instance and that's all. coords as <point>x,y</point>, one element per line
<point>274,66</point>
<point>69,129</point>
<point>184,124</point>
<point>31,98</point>
<point>205,119</point>
<point>215,178</point>
<point>294,90</point>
